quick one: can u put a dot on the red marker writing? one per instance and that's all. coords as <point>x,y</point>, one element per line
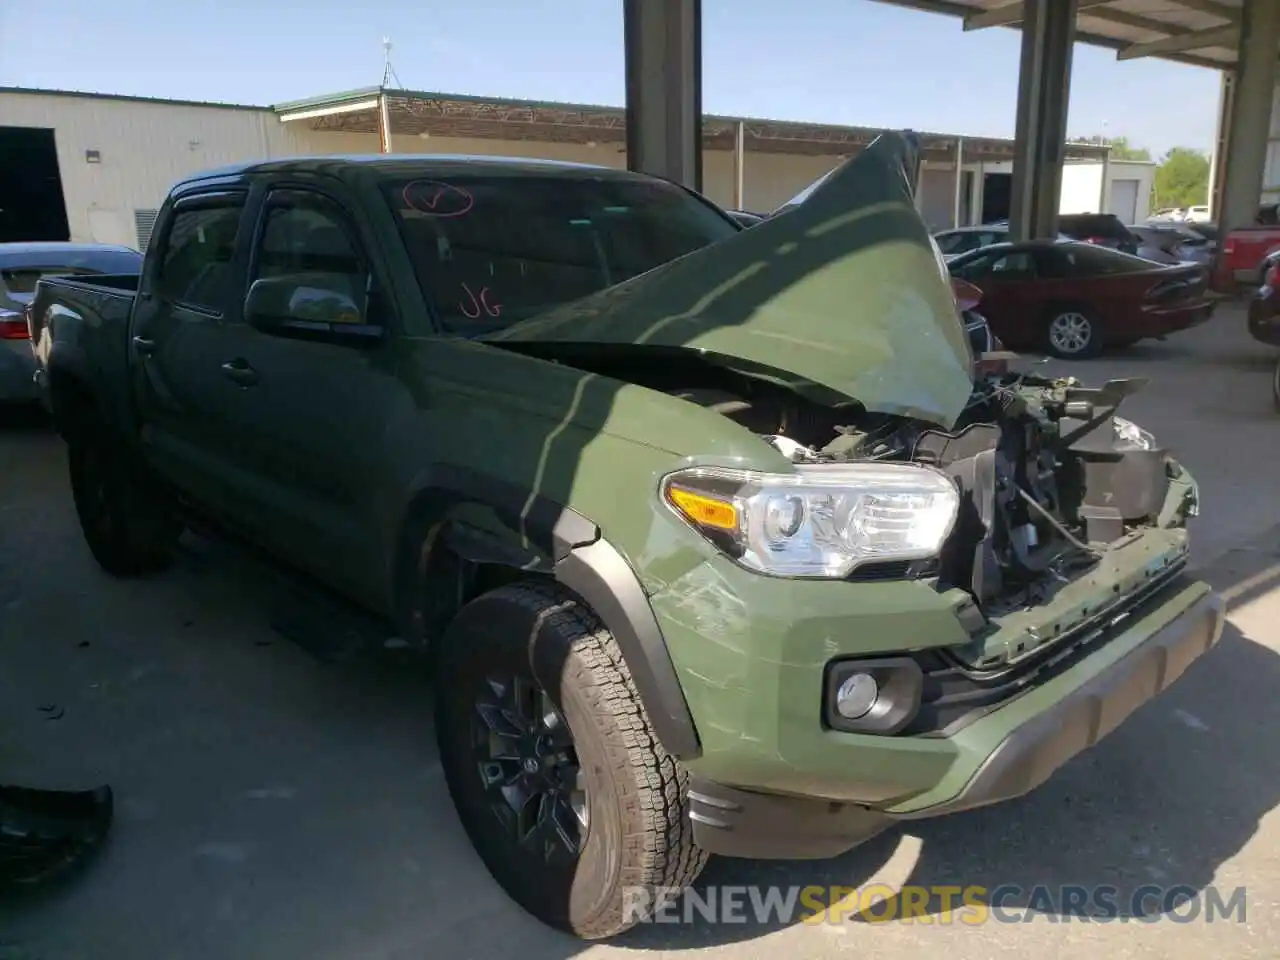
<point>436,198</point>
<point>474,305</point>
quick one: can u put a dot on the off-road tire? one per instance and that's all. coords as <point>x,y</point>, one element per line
<point>1072,314</point>
<point>639,843</point>
<point>127,520</point>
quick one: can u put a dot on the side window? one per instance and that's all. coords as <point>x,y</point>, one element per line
<point>308,239</point>
<point>978,267</point>
<point>1054,263</point>
<point>1016,265</point>
<point>953,242</point>
<point>196,267</point>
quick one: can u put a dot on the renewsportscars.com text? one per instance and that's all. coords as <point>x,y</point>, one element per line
<point>938,904</point>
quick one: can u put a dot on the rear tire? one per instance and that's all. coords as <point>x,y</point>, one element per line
<point>584,866</point>
<point>126,519</point>
<point>1072,333</point>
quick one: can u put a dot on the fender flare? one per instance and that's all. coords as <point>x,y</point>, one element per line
<point>554,540</point>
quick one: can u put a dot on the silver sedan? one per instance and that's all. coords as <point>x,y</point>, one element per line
<point>21,267</point>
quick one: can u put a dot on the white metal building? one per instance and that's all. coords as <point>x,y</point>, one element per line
<point>96,167</point>
<point>1128,190</point>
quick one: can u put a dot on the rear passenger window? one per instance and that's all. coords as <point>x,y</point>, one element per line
<point>196,267</point>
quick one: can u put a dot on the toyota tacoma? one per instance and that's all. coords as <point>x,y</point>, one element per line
<point>717,540</point>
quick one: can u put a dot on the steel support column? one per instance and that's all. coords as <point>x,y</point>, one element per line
<point>1221,148</point>
<point>664,88</point>
<point>384,125</point>
<point>1250,115</point>
<point>1044,83</point>
<point>1104,188</point>
<point>739,165</point>
<point>959,187</point>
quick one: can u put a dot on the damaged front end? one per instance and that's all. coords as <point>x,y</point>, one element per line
<point>833,331</point>
<point>1067,512</point>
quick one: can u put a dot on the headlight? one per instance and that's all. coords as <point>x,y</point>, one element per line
<point>824,520</point>
<point>1130,436</point>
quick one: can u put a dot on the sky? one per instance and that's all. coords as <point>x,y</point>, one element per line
<point>855,62</point>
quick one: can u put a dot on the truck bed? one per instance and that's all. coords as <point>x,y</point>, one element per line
<point>83,324</point>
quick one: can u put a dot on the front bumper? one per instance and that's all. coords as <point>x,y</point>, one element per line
<point>1003,755</point>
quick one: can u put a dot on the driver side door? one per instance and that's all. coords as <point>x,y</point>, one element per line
<point>311,413</point>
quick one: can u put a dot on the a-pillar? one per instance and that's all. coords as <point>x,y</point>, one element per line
<point>664,88</point>
<point>1250,113</point>
<point>1044,84</point>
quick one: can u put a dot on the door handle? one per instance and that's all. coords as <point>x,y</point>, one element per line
<point>237,371</point>
<point>144,345</point>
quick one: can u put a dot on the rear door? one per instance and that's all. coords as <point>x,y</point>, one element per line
<point>187,299</point>
<point>311,419</point>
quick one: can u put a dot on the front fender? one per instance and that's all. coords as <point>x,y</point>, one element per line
<point>487,521</point>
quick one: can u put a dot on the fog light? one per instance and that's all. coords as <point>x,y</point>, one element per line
<point>857,695</point>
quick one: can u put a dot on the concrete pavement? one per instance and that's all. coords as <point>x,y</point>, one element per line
<point>272,806</point>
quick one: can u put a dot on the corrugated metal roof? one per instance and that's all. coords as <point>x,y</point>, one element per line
<point>415,112</point>
<point>1204,33</point>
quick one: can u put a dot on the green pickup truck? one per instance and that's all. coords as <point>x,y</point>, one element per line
<point>718,542</point>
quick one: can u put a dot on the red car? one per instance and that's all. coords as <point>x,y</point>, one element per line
<point>1243,252</point>
<point>1072,300</point>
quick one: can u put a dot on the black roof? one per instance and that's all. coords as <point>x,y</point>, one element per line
<point>1028,245</point>
<point>348,166</point>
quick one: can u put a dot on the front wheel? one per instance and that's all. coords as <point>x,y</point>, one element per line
<point>563,788</point>
<point>1073,333</point>
<point>126,520</point>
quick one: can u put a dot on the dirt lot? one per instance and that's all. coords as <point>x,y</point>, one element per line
<point>275,806</point>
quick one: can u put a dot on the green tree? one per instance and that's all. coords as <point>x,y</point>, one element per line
<point>1121,150</point>
<point>1182,179</point>
<point>1120,147</point>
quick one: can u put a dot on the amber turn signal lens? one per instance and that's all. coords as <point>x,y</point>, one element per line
<point>702,510</point>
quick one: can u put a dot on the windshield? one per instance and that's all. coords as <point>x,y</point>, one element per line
<point>491,250</point>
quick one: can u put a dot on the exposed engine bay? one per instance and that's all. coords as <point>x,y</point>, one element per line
<point>1050,479</point>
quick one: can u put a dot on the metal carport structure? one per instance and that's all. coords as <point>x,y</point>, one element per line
<point>1239,37</point>
<point>391,113</point>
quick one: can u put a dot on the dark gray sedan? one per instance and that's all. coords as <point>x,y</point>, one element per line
<point>21,266</point>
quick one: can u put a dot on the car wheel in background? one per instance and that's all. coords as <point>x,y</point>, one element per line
<point>1072,333</point>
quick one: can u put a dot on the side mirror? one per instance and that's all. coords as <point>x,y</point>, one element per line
<point>310,307</point>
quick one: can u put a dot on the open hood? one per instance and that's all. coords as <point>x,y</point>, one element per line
<point>844,291</point>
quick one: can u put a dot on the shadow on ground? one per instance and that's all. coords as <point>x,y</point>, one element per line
<point>1164,802</point>
<point>278,802</point>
